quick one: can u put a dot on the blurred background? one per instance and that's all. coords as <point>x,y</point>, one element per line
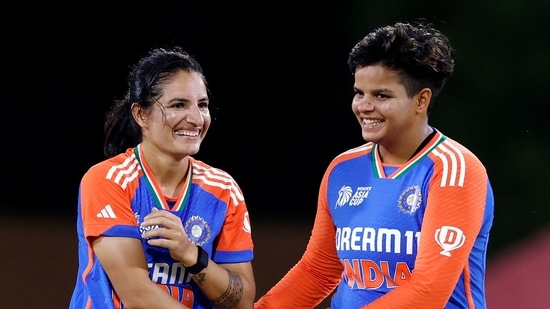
<point>281,95</point>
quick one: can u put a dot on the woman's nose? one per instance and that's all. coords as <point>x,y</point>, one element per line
<point>364,105</point>
<point>195,116</point>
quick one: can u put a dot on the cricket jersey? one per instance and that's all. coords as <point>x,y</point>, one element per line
<point>410,235</point>
<point>114,197</point>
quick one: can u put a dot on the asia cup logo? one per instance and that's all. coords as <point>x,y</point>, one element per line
<point>344,196</point>
<point>449,238</point>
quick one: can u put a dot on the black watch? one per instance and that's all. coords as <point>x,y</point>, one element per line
<point>202,262</point>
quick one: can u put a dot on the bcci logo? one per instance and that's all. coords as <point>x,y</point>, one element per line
<point>410,199</point>
<point>198,230</point>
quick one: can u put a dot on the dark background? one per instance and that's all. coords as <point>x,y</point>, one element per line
<point>281,95</point>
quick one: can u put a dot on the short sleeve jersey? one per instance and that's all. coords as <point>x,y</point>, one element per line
<point>116,194</point>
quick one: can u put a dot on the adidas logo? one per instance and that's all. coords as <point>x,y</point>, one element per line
<point>107,212</point>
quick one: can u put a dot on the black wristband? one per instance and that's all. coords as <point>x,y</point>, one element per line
<point>202,262</point>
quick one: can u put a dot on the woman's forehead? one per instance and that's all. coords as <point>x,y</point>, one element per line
<point>184,85</point>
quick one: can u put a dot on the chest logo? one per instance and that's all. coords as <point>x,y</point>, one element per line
<point>410,199</point>
<point>346,196</point>
<point>197,230</point>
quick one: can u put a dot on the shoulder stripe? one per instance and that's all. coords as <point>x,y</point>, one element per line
<point>214,177</point>
<point>454,164</point>
<point>124,173</point>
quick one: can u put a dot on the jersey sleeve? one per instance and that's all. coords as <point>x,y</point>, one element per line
<point>235,240</point>
<point>104,203</point>
<point>453,219</point>
<point>318,271</point>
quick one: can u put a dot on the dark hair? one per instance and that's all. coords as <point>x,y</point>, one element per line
<point>146,82</point>
<point>419,53</point>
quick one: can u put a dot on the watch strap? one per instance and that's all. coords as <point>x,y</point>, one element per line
<point>202,262</point>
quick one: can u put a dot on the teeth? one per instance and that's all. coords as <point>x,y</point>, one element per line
<point>372,121</point>
<point>187,133</point>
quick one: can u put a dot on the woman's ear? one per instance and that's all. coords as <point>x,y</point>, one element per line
<point>423,100</point>
<point>139,114</point>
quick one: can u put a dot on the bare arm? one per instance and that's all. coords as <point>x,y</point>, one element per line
<point>227,286</point>
<point>124,262</point>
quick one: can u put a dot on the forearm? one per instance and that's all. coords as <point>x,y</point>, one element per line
<point>225,288</point>
<point>150,296</point>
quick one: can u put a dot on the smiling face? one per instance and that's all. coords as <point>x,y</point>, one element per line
<point>386,114</point>
<point>177,122</point>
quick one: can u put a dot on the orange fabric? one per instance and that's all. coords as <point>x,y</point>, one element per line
<point>434,276</point>
<point>317,273</point>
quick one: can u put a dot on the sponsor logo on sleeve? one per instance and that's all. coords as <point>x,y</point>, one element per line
<point>449,238</point>
<point>106,212</point>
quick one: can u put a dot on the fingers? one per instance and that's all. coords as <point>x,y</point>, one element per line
<point>163,218</point>
<point>164,229</point>
<point>159,231</point>
<point>156,213</point>
<point>161,223</point>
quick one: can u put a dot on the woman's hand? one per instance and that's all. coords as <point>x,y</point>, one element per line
<point>164,229</point>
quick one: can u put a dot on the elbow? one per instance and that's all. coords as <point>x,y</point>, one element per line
<point>248,296</point>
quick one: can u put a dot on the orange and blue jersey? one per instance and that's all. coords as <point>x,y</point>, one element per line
<point>396,236</point>
<point>116,194</point>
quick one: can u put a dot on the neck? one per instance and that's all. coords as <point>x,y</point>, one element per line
<point>425,141</point>
<point>401,152</point>
<point>168,173</point>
